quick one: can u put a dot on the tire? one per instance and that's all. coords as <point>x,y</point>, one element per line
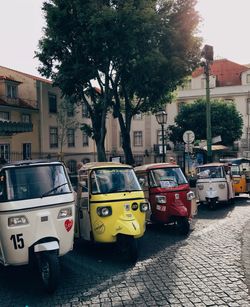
<point>50,270</point>
<point>128,249</point>
<point>183,225</point>
<point>212,205</point>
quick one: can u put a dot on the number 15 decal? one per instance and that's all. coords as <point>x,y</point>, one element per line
<point>18,241</point>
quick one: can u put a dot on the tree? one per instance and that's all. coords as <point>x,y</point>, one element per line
<point>226,121</point>
<point>136,51</point>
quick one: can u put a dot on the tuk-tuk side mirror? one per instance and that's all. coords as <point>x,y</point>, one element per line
<point>141,181</point>
<point>83,185</point>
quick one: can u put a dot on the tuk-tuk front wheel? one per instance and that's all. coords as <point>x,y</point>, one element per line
<point>183,225</point>
<point>127,246</point>
<point>50,270</point>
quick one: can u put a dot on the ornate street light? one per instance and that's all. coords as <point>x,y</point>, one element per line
<point>161,118</point>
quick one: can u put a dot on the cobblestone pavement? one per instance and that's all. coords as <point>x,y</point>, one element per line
<point>211,267</point>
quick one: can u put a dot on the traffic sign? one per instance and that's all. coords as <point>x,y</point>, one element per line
<point>188,136</point>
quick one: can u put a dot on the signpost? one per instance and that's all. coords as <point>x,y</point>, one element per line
<point>188,138</point>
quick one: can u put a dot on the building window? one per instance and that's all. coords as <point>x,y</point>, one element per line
<point>248,78</point>
<point>70,110</point>
<point>137,116</point>
<point>4,115</point>
<point>180,104</point>
<point>53,137</point>
<point>248,106</point>
<point>71,137</point>
<point>85,112</point>
<point>52,103</point>
<point>85,139</point>
<point>137,138</point>
<point>5,151</point>
<point>26,151</point>
<point>26,118</point>
<point>11,91</point>
<point>72,166</point>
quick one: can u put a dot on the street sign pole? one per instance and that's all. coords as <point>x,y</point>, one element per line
<point>188,138</point>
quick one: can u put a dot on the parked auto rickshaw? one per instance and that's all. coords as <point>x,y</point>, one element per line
<point>169,194</point>
<point>240,169</point>
<point>111,206</point>
<point>37,212</point>
<point>214,184</point>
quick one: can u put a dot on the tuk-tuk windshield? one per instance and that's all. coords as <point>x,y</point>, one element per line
<point>112,180</point>
<point>36,181</point>
<point>210,172</point>
<point>235,170</point>
<point>166,177</point>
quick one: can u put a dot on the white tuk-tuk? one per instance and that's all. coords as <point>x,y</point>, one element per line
<point>214,184</point>
<point>37,212</point>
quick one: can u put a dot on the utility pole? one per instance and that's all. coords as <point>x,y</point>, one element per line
<point>161,118</point>
<point>208,55</point>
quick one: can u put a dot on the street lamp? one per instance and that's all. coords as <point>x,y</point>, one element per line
<point>161,118</point>
<point>208,54</point>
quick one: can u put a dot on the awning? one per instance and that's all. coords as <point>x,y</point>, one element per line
<point>9,127</point>
<point>216,147</point>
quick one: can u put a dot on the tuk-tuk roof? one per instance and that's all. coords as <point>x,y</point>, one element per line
<point>235,160</point>
<point>28,162</point>
<point>147,167</point>
<point>93,165</point>
<point>212,164</point>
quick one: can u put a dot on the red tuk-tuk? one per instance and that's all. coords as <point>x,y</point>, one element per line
<point>169,194</point>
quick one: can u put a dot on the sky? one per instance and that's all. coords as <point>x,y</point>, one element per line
<point>224,26</point>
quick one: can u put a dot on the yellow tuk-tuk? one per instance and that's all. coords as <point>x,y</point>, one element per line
<point>111,206</point>
<point>240,170</point>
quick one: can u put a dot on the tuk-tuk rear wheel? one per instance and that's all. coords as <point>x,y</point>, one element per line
<point>49,270</point>
<point>183,225</point>
<point>127,246</point>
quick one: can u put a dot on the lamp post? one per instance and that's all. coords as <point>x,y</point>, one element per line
<point>208,54</point>
<point>161,118</point>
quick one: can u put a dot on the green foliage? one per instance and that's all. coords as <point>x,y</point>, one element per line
<point>226,121</point>
<point>136,51</point>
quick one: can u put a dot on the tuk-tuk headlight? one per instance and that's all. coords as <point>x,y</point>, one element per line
<point>104,211</point>
<point>221,185</point>
<point>200,186</point>
<point>144,207</point>
<point>65,212</point>
<point>17,221</point>
<point>134,206</point>
<point>161,199</point>
<point>190,195</point>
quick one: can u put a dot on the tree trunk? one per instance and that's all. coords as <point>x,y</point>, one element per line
<point>126,146</point>
<point>126,141</point>
<point>99,125</point>
<point>101,154</point>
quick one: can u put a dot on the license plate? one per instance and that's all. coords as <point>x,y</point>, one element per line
<point>160,208</point>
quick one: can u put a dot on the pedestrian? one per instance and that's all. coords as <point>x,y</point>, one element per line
<point>172,160</point>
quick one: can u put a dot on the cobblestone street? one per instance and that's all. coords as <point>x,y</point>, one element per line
<point>210,267</point>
